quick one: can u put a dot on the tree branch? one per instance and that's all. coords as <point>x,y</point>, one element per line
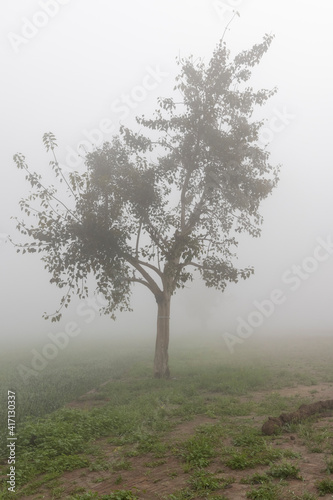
<point>183,200</point>
<point>62,175</point>
<point>142,282</point>
<point>23,165</point>
<point>151,283</point>
<point>151,266</point>
<point>195,264</point>
<point>138,240</point>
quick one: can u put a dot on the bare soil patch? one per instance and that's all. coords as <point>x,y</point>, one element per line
<point>314,392</point>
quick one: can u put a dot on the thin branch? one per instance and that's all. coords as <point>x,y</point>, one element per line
<point>63,302</point>
<point>142,282</point>
<point>158,259</point>
<point>188,177</point>
<point>247,222</point>
<point>52,195</point>
<point>62,175</point>
<point>183,199</point>
<point>156,235</point>
<point>27,206</point>
<point>194,264</point>
<point>138,240</point>
<point>236,13</point>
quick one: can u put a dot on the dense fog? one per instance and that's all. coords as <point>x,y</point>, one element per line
<point>82,68</point>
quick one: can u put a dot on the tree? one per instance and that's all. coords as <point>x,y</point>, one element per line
<point>153,208</point>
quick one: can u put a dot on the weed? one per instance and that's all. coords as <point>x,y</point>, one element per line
<point>248,437</point>
<point>116,495</point>
<point>131,453</point>
<point>183,494</point>
<point>305,496</point>
<point>329,466</point>
<point>43,481</point>
<point>78,489</point>
<point>217,497</point>
<point>225,482</point>
<point>213,431</point>
<point>198,451</point>
<point>155,463</point>
<point>251,455</point>
<point>239,461</point>
<point>291,454</point>
<point>315,449</point>
<point>99,466</point>
<point>173,473</point>
<point>151,444</point>
<point>284,470</point>
<point>265,492</point>
<point>99,480</point>
<point>202,481</point>
<point>121,495</point>
<point>308,496</point>
<point>256,478</point>
<point>325,486</point>
<point>121,465</point>
<point>58,492</point>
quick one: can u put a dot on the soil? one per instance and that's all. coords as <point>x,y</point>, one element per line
<point>168,476</point>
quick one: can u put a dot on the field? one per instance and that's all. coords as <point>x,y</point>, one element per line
<point>95,425</point>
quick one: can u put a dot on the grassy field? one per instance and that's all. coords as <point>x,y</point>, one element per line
<point>94,424</point>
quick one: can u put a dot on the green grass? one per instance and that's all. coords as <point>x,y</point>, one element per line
<point>74,372</point>
<point>250,449</point>
<point>138,412</point>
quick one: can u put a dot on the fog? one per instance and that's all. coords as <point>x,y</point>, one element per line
<point>89,66</point>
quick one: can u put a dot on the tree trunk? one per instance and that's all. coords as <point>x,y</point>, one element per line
<point>161,368</point>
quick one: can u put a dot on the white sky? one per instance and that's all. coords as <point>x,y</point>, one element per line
<point>72,73</point>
